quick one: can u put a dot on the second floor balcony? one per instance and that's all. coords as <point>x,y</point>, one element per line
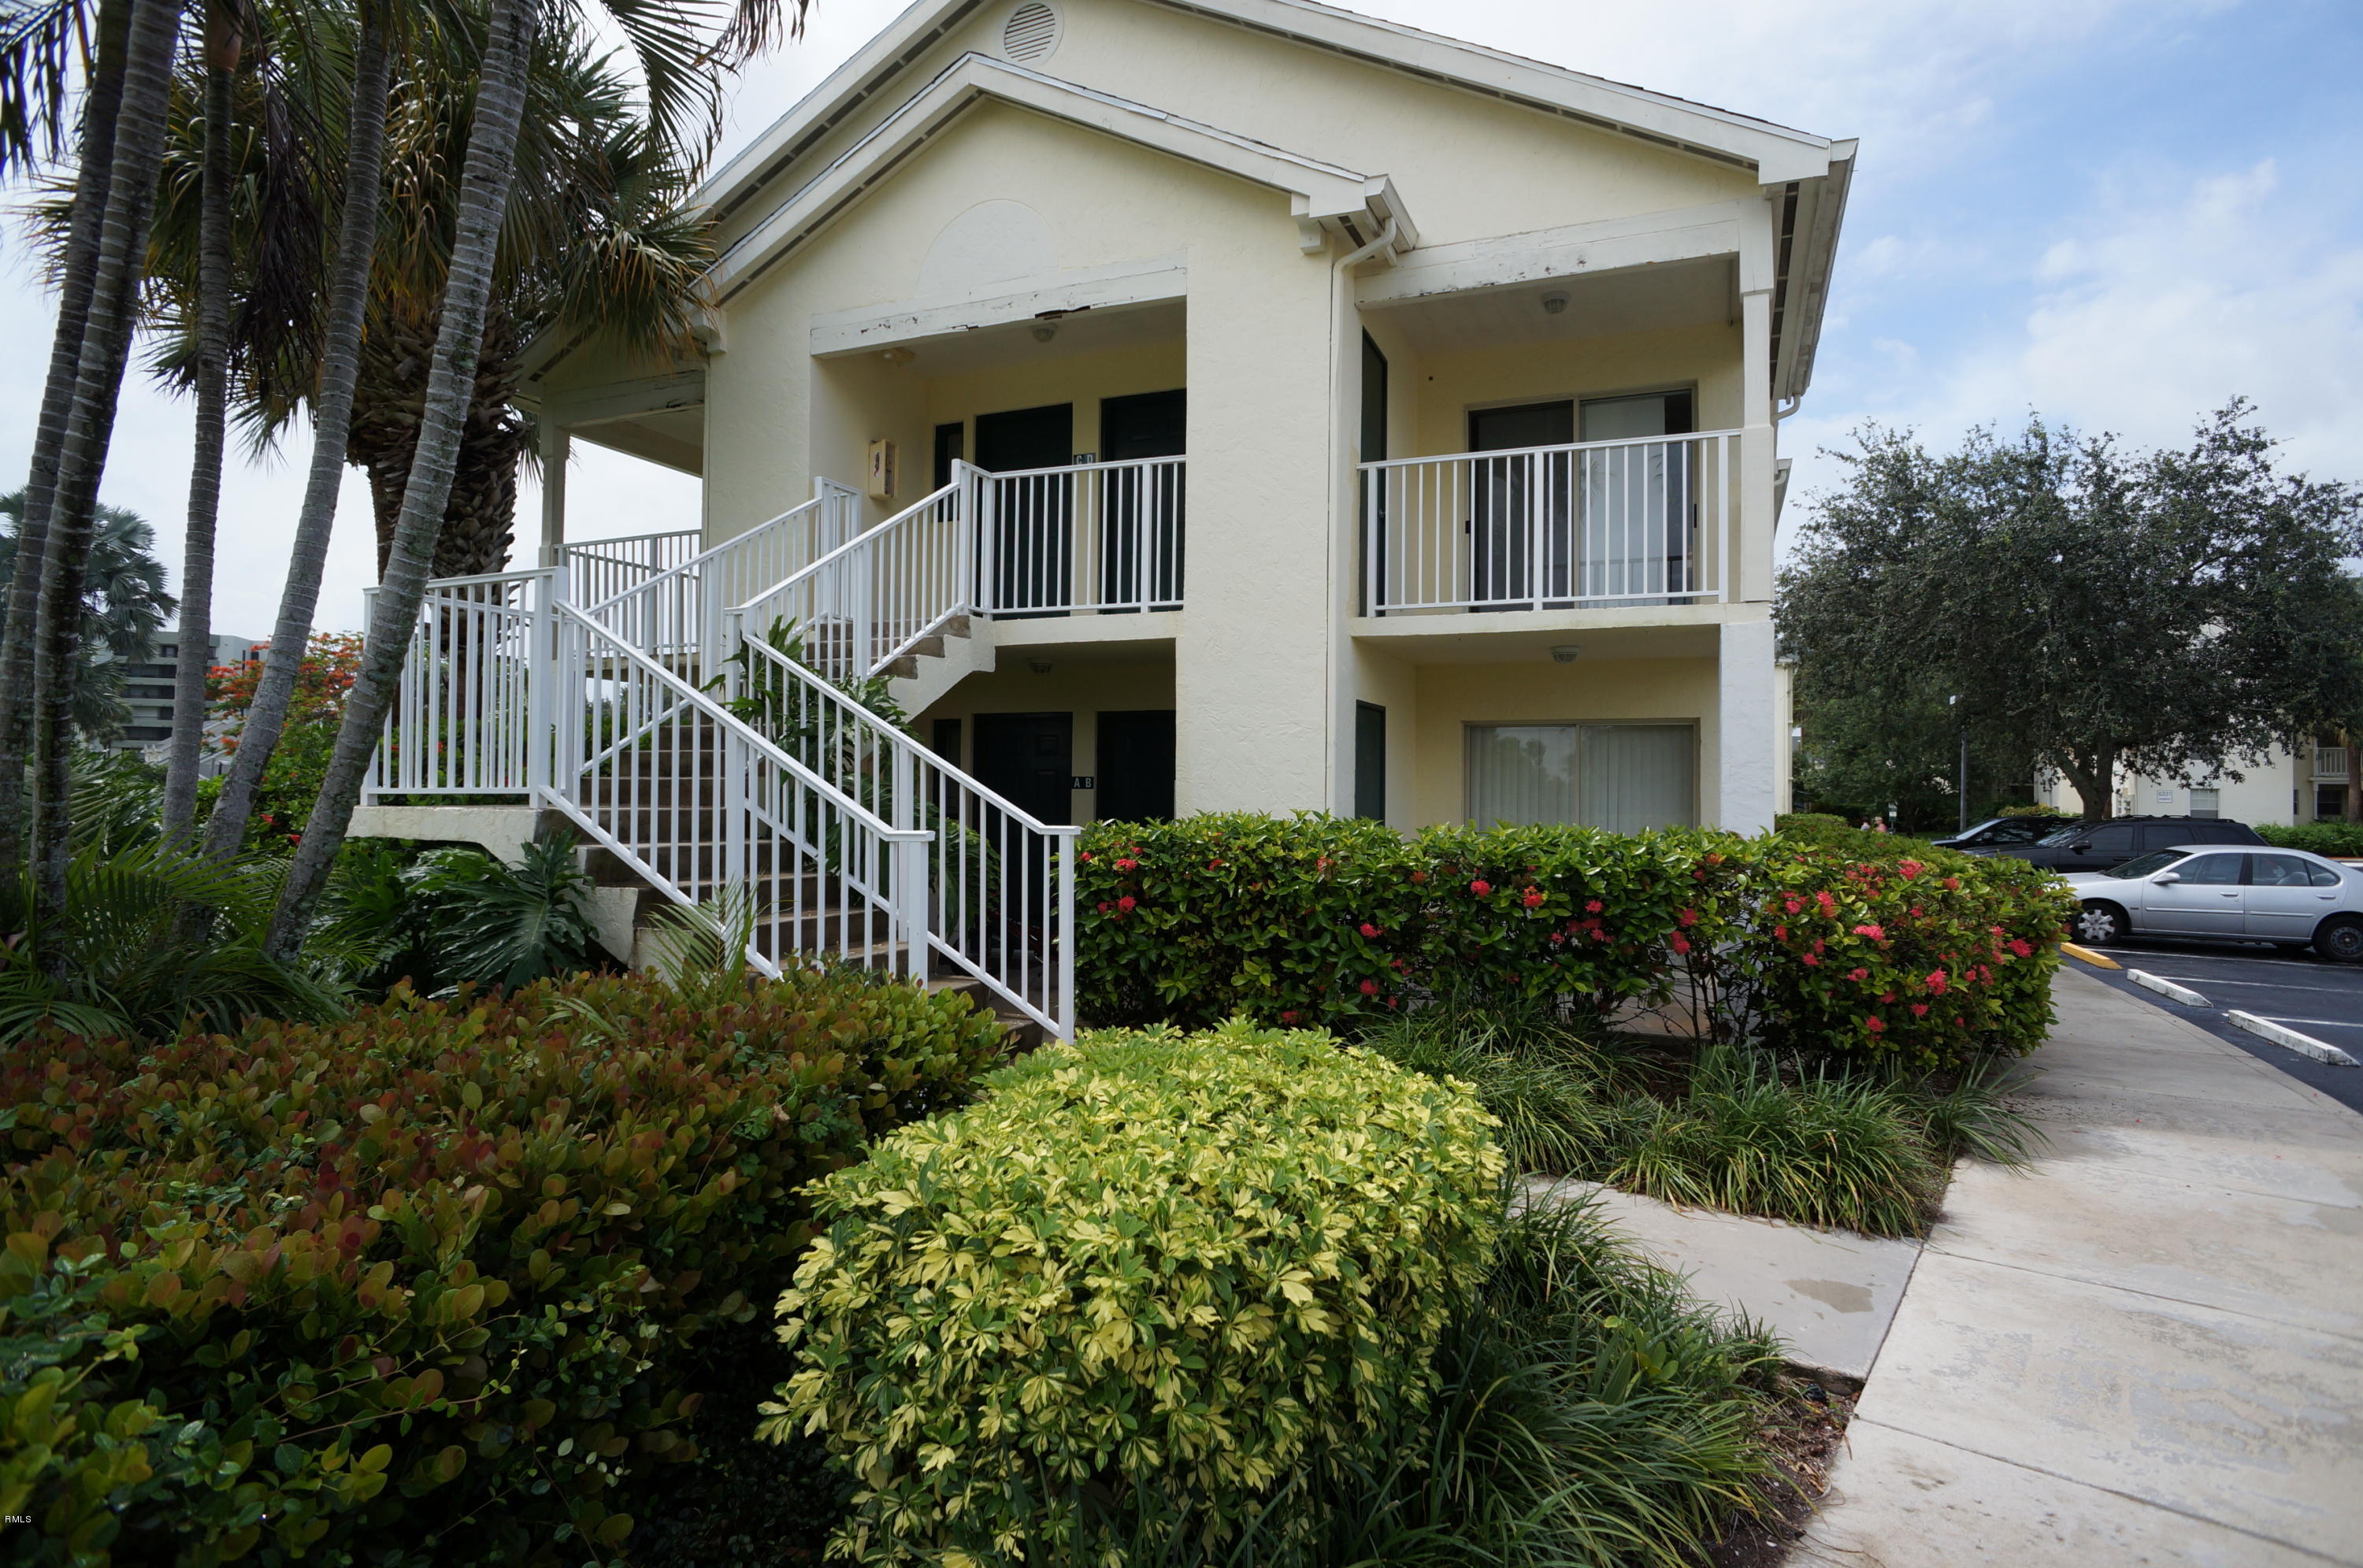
<point>1585,525</point>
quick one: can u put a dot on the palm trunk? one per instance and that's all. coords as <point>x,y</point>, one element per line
<point>80,277</point>
<point>196,658</point>
<point>332,411</point>
<point>478,521</point>
<point>450,386</point>
<point>98,379</point>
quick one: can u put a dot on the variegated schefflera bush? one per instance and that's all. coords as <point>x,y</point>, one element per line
<point>1132,1290</point>
<point>421,1286</point>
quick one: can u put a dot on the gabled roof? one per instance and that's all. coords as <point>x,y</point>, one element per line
<point>1775,153</point>
<point>1322,195</point>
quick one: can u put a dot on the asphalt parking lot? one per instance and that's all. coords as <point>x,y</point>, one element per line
<point>2297,990</point>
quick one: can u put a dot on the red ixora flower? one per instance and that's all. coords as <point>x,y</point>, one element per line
<point>1370,930</point>
<point>1369,987</point>
<point>1871,931</point>
<point>1535,900</point>
<point>1103,906</point>
<point>1481,887</point>
<point>1782,933</point>
<point>1829,905</point>
<point>1688,917</point>
<point>1681,942</point>
<point>1952,884</point>
<point>1086,854</point>
<point>1812,961</point>
<point>1591,906</point>
<point>1128,865</point>
<point>1876,1024</point>
<point>2020,946</point>
<point>1919,1009</point>
<point>1910,869</point>
<point>1859,975</point>
<point>1288,1015</point>
<point>1126,902</point>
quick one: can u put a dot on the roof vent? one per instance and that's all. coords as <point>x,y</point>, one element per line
<point>1030,33</point>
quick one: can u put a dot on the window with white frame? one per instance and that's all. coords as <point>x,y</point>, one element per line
<point>2205,802</point>
<point>1623,777</point>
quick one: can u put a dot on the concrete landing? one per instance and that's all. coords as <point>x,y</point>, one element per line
<point>2145,1349</point>
<point>1830,1294</point>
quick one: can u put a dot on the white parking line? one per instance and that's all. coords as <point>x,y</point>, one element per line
<point>2355,992</point>
<point>2318,1022</point>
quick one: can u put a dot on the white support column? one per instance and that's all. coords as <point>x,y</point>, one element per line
<point>555,444</point>
<point>1752,582</point>
<point>1748,739</point>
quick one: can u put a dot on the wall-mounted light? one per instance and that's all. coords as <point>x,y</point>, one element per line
<point>1553,302</point>
<point>1045,332</point>
<point>1038,666</point>
<point>1566,653</point>
<point>897,356</point>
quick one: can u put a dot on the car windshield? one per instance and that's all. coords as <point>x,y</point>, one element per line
<point>2157,860</point>
<point>2064,834</point>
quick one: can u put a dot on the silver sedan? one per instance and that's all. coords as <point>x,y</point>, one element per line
<point>2283,896</point>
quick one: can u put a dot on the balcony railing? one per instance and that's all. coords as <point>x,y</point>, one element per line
<point>599,569</point>
<point>2330,765</point>
<point>1591,525</point>
<point>1091,536</point>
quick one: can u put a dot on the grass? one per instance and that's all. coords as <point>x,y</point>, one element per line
<point>1586,1414</point>
<point>1854,1147</point>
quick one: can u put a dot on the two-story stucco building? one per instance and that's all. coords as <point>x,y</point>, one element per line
<point>1397,418</point>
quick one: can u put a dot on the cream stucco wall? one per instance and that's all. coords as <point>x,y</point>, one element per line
<point>1453,696</point>
<point>1538,170</point>
<point>1438,390</point>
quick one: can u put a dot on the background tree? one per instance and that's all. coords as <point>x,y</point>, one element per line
<point>2159,612</point>
<point>1862,753</point>
<point>122,606</point>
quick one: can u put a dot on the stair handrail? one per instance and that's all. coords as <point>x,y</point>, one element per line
<point>905,899</point>
<point>679,610</point>
<point>916,777</point>
<point>834,598</point>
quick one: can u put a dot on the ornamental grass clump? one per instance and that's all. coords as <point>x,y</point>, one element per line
<point>1128,1296</point>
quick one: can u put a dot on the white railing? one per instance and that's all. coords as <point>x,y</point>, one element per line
<point>698,805</point>
<point>677,614</point>
<point>2330,765</point>
<point>471,714</point>
<point>1089,536</point>
<point>602,568</point>
<point>872,600</point>
<point>1595,524</point>
<point>1001,883</point>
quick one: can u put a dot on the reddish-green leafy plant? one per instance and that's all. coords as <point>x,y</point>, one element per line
<point>429,1277</point>
<point>301,759</point>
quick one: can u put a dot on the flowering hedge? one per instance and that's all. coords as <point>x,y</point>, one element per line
<point>421,1286</point>
<point>1317,920</point>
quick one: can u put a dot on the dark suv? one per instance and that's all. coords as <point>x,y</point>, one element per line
<point>2097,847</point>
<point>2002,833</point>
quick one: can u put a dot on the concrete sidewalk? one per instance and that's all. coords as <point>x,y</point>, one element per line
<point>2145,1350</point>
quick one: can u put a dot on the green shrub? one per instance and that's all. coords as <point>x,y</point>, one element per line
<point>1129,1294</point>
<point>2336,839</point>
<point>431,1277</point>
<point>1933,959</point>
<point>1891,949</point>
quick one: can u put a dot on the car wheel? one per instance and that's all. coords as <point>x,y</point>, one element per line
<point>2340,940</point>
<point>2098,925</point>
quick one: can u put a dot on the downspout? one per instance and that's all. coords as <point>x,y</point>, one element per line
<point>1385,241</point>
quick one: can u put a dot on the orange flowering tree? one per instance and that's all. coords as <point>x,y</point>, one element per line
<point>301,761</point>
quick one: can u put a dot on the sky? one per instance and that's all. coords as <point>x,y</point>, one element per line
<point>2120,214</point>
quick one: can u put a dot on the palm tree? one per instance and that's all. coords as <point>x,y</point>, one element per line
<point>222,47</point>
<point>671,56</point>
<point>124,606</point>
<point>81,457</point>
<point>597,238</point>
<point>33,59</point>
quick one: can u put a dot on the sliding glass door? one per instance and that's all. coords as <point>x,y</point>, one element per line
<point>1623,777</point>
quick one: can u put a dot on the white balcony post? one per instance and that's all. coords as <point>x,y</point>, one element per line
<point>555,446</point>
<point>1065,1009</point>
<point>541,660</point>
<point>987,491</point>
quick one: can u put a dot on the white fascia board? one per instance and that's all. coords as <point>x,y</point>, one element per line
<point>1810,270</point>
<point>1683,234</point>
<point>624,400</point>
<point>905,39</point>
<point>1321,190</point>
<point>1018,299</point>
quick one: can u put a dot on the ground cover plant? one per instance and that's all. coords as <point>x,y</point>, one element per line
<point>1133,1291</point>
<point>434,1282</point>
<point>1875,948</point>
